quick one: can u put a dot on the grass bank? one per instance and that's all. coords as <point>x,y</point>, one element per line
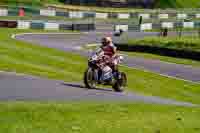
<point>97,118</point>
<point>177,4</point>
<point>187,47</point>
<point>188,62</point>
<point>184,43</point>
<point>23,57</point>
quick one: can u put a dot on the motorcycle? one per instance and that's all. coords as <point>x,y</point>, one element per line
<point>100,72</point>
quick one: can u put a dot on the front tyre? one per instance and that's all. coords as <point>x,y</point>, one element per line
<point>120,83</point>
<point>89,79</point>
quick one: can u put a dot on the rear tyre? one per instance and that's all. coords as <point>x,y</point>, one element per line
<point>120,83</point>
<point>89,79</point>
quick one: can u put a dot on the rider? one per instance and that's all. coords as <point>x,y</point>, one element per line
<point>110,51</point>
<point>108,47</point>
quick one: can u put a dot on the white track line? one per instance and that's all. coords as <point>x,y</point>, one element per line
<point>164,75</point>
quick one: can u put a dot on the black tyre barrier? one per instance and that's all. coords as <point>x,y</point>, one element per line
<point>8,24</point>
<point>112,15</point>
<point>83,27</point>
<point>65,27</point>
<point>187,54</point>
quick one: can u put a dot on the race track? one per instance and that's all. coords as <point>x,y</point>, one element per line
<point>72,42</point>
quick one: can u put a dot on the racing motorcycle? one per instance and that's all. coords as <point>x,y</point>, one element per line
<point>100,72</point>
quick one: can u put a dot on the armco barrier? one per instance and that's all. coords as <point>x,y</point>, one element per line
<point>160,51</point>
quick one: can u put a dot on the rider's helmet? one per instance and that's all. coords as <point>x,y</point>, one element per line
<point>106,41</point>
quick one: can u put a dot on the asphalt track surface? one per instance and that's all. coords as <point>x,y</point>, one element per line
<point>16,87</point>
<point>28,88</point>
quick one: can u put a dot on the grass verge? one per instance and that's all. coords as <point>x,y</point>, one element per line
<point>168,59</point>
<point>97,118</point>
<point>23,57</point>
<point>184,43</point>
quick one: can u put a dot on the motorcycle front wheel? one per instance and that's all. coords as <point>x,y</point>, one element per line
<point>89,78</point>
<point>120,83</point>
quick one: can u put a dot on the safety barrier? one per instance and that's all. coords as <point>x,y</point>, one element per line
<point>21,24</point>
<point>101,15</point>
<point>46,12</point>
<point>154,26</point>
<point>8,24</point>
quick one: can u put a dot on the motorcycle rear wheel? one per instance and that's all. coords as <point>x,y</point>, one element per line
<point>89,79</point>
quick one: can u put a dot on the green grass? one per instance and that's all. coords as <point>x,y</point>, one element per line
<point>97,118</point>
<point>178,4</point>
<point>26,58</point>
<point>29,2</point>
<point>91,8</point>
<point>153,84</point>
<point>36,60</point>
<point>57,3</point>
